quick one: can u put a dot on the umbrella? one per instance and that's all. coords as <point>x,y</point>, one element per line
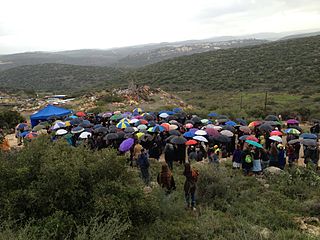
<point>125,120</point>
<point>148,117</point>
<point>126,145</point>
<point>85,135</point>
<point>38,128</point>
<point>102,130</point>
<point>272,123</point>
<point>200,133</point>
<point>80,114</point>
<point>86,124</point>
<point>173,127</point>
<point>309,142</point>
<point>218,128</point>
<point>77,130</point>
<point>227,133</point>
<point>137,111</point>
<point>308,136</point>
<point>60,132</point>
<point>254,124</point>
<point>178,140</point>
<point>116,117</point>
<point>166,126</point>
<point>212,132</point>
<point>213,114</point>
<point>189,121</point>
<point>276,138</point>
<point>130,130</point>
<point>58,125</point>
<point>193,130</point>
<point>22,126</point>
<point>177,110</point>
<point>157,128</point>
<point>245,129</point>
<point>123,125</point>
<point>97,126</point>
<point>31,135</point>
<point>243,137</point>
<point>253,143</point>
<point>133,121</point>
<point>292,131</point>
<point>294,141</point>
<point>205,121</point>
<point>191,142</point>
<point>75,121</point>
<point>106,114</point>
<point>200,138</point>
<point>164,115</point>
<point>276,133</point>
<point>189,125</point>
<point>221,139</point>
<point>266,127</point>
<point>174,132</point>
<point>229,128</point>
<point>296,127</point>
<point>189,134</point>
<point>231,123</point>
<point>293,121</point>
<point>146,138</point>
<point>142,127</point>
<point>121,134</point>
<point>139,134</point>
<point>45,123</point>
<point>271,118</point>
<point>241,121</point>
<point>252,138</point>
<point>223,121</point>
<point>111,136</point>
<point>196,119</point>
<point>152,124</point>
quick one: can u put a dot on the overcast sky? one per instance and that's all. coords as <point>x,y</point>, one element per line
<point>50,25</point>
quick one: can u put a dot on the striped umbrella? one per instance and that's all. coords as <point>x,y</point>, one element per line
<point>123,125</point>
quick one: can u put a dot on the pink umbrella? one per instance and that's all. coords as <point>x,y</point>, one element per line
<point>292,121</point>
<point>252,138</point>
<point>276,133</point>
<point>189,125</point>
<point>212,132</point>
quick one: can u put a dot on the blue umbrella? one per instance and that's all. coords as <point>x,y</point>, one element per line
<point>253,143</point>
<point>126,145</point>
<point>308,136</point>
<point>242,121</point>
<point>213,114</point>
<point>97,126</point>
<point>157,128</point>
<point>231,123</point>
<point>189,134</point>
<point>244,137</point>
<point>177,110</point>
<point>23,134</point>
<point>22,126</point>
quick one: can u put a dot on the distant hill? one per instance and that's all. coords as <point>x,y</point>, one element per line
<point>279,66</point>
<point>291,65</point>
<point>58,77</point>
<point>301,35</point>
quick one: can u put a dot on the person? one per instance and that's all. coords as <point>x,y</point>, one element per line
<point>281,156</point>
<point>192,154</point>
<point>199,155</point>
<point>136,152</point>
<point>216,154</point>
<point>165,179</point>
<point>190,185</point>
<point>236,157</point>
<point>273,156</point>
<point>247,160</point>
<point>169,155</point>
<point>264,158</point>
<point>291,155</point>
<point>256,168</point>
<point>143,163</point>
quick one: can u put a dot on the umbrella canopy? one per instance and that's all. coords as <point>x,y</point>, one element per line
<point>61,132</point>
<point>166,126</point>
<point>212,132</point>
<point>189,134</point>
<point>77,130</point>
<point>245,129</point>
<point>292,131</point>
<point>229,128</point>
<point>142,127</point>
<point>292,121</point>
<point>130,130</point>
<point>111,136</point>
<point>243,137</point>
<point>231,123</point>
<point>252,138</point>
<point>177,110</point>
<point>254,124</point>
<point>85,135</point>
<point>86,124</point>
<point>178,140</point>
<point>271,118</point>
<point>123,125</point>
<point>296,127</point>
<point>196,119</point>
<point>191,142</point>
<point>200,133</point>
<point>272,123</point>
<point>276,139</point>
<point>133,121</point>
<point>102,130</point>
<point>31,135</point>
<point>75,121</point>
<point>253,143</point>
<point>174,132</point>
<point>242,121</point>
<point>164,115</point>
<point>173,127</point>
<point>213,114</point>
<point>58,125</point>
<point>156,128</point>
<point>221,139</point>
<point>294,141</point>
<point>309,142</point>
<point>227,133</point>
<point>266,127</point>
<point>189,125</point>
<point>146,138</point>
<point>126,145</point>
<point>308,136</point>
<point>116,117</point>
<point>200,138</point>
<point>80,114</point>
<point>139,134</point>
<point>38,128</point>
<point>276,133</point>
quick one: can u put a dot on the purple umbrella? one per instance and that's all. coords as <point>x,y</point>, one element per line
<point>126,145</point>
<point>292,121</point>
<point>193,130</point>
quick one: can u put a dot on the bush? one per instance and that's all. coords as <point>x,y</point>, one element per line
<point>9,119</point>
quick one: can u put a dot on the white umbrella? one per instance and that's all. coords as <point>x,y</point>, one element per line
<point>218,128</point>
<point>85,135</point>
<point>227,133</point>
<point>200,138</point>
<point>173,127</point>
<point>276,138</point>
<point>210,126</point>
<point>61,132</point>
<point>132,121</point>
<point>201,133</point>
<point>58,125</point>
<point>142,127</point>
<point>164,115</point>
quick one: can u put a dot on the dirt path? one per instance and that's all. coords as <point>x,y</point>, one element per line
<point>13,141</point>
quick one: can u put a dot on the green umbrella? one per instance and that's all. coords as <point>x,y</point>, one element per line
<point>38,128</point>
<point>116,117</point>
<point>253,143</point>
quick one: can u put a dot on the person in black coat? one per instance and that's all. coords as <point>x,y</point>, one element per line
<point>169,155</point>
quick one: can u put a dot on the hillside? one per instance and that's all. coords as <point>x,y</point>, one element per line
<point>277,66</point>
<point>58,77</point>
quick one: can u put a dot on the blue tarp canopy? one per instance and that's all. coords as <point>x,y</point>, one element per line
<point>48,111</point>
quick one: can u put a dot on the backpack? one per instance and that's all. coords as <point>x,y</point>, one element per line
<point>248,159</point>
<point>195,174</point>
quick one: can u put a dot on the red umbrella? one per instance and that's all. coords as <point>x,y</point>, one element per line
<point>166,126</point>
<point>255,124</point>
<point>80,114</point>
<point>276,133</point>
<point>191,142</point>
<point>252,138</point>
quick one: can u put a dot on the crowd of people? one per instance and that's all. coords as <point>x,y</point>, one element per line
<point>183,139</point>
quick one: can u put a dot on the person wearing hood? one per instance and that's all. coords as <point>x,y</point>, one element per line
<point>165,179</point>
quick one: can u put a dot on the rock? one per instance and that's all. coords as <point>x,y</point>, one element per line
<point>273,170</point>
<point>265,233</point>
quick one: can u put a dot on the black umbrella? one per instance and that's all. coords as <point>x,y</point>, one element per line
<point>181,115</point>
<point>178,140</point>
<point>228,127</point>
<point>296,127</point>
<point>222,117</point>
<point>152,124</point>
<point>220,138</point>
<point>146,137</point>
<point>196,120</point>
<point>128,135</point>
<point>86,124</point>
<point>171,117</point>
<point>294,141</point>
<point>266,127</point>
<point>103,130</point>
<point>121,135</point>
<point>271,118</point>
<point>75,121</point>
<point>112,129</point>
<point>272,123</point>
<point>189,121</point>
<point>148,117</point>
<point>309,142</point>
<point>129,130</point>
<point>174,133</point>
<point>111,136</point>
